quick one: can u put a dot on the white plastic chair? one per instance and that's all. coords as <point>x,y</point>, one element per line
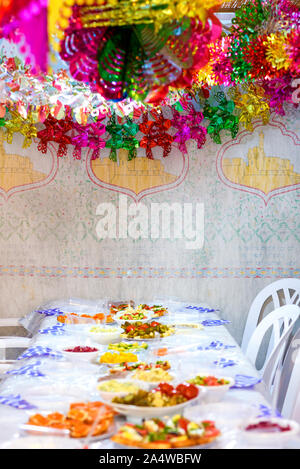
<point>282,292</point>
<point>10,342</point>
<point>288,394</point>
<point>279,322</point>
<point>272,371</point>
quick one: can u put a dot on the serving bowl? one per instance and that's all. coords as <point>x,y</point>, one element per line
<point>141,412</point>
<point>109,395</point>
<point>105,334</point>
<point>89,356</point>
<point>118,316</point>
<point>213,393</point>
<point>265,436</point>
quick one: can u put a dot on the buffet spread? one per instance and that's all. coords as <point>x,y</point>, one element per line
<point>120,375</point>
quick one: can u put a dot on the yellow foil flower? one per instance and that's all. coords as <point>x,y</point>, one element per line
<point>252,104</point>
<point>276,51</point>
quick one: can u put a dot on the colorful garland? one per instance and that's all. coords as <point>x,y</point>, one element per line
<point>247,75</point>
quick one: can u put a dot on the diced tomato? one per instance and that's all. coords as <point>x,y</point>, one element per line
<point>160,424</point>
<point>154,324</point>
<point>211,431</point>
<point>165,388</point>
<point>183,423</point>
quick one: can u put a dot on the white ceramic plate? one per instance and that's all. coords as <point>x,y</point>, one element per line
<point>261,437</point>
<point>117,317</point>
<point>108,396</point>
<point>108,337</point>
<point>150,412</point>
<point>213,393</point>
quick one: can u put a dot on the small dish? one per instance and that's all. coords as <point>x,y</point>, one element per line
<point>130,384</point>
<point>213,393</point>
<point>80,355</point>
<point>140,412</point>
<point>105,334</point>
<point>265,430</point>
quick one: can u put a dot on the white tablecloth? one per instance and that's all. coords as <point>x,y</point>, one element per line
<point>50,383</point>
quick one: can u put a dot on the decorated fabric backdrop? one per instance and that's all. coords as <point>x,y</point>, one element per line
<point>61,237</point>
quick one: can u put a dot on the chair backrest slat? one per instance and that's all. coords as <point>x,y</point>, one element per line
<point>280,320</point>
<point>278,293</point>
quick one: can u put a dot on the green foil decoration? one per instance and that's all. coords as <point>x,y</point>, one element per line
<point>122,136</point>
<point>221,117</point>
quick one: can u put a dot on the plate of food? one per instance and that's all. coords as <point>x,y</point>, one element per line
<point>264,430</point>
<point>153,376</point>
<point>84,318</point>
<point>165,399</point>
<point>146,331</point>
<point>214,386</point>
<point>133,315</point>
<point>81,352</point>
<point>128,346</point>
<point>113,358</point>
<point>111,388</point>
<point>127,368</point>
<point>173,432</point>
<point>105,334</point>
<point>78,421</point>
<point>158,310</point>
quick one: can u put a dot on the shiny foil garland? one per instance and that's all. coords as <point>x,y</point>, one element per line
<point>25,126</point>
<point>136,60</point>
<point>102,13</point>
<point>55,131</point>
<point>88,136</point>
<point>251,104</point>
<point>188,127</point>
<point>221,117</point>
<point>122,136</point>
<point>155,133</point>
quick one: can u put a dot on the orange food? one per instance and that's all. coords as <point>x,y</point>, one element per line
<point>79,419</point>
<point>161,351</point>
<point>99,317</point>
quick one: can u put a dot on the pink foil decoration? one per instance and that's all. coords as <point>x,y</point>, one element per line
<point>88,136</point>
<point>189,127</point>
<point>279,91</point>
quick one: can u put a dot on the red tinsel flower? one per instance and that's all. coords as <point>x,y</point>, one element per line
<point>294,51</point>
<point>55,131</point>
<point>155,134</point>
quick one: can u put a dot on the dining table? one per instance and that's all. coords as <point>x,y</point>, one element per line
<point>42,378</point>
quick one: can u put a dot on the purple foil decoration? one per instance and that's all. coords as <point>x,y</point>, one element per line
<point>188,127</point>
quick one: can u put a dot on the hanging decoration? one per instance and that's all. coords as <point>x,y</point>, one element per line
<point>156,134</point>
<point>138,50</point>
<point>88,136</point>
<point>188,127</point>
<point>125,70</point>
<point>251,103</point>
<point>221,117</point>
<point>55,131</point>
<point>122,136</point>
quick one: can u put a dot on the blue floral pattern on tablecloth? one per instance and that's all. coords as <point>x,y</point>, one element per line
<point>224,363</point>
<point>39,351</point>
<point>214,322</point>
<point>49,312</point>
<point>266,411</point>
<point>216,345</point>
<point>29,370</point>
<point>57,329</point>
<point>244,381</point>
<point>16,401</point>
<point>200,309</point>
